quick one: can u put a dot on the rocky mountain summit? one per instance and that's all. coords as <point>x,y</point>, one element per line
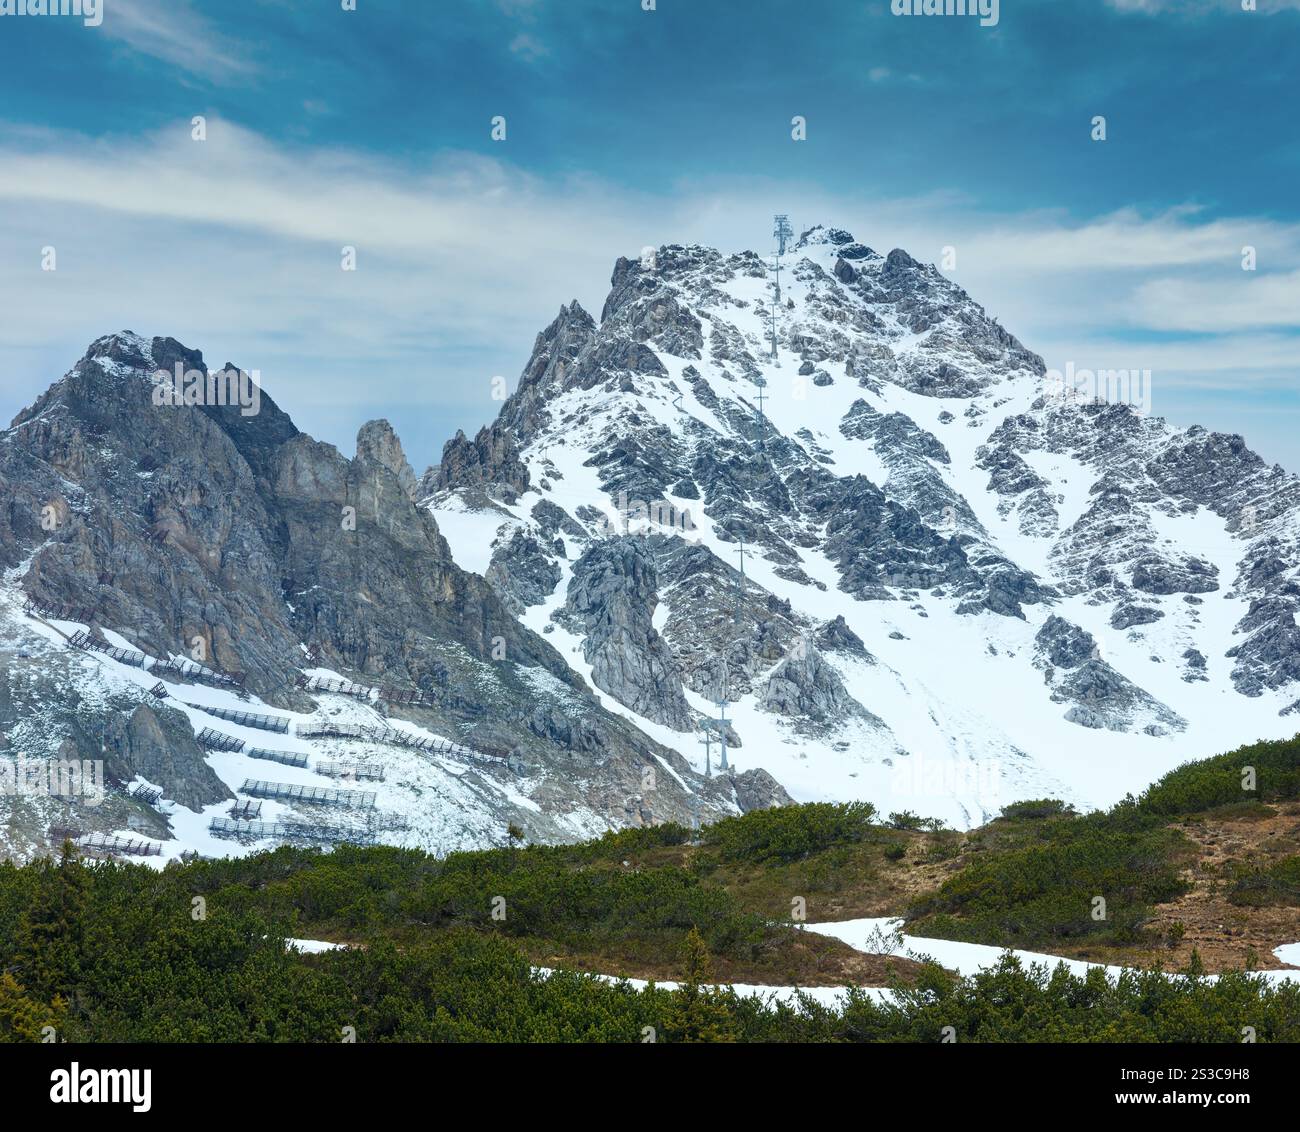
<point>207,545</point>
<point>910,563</point>
<point>843,531</point>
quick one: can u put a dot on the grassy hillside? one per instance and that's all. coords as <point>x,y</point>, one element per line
<point>446,949</point>
<point>1181,867</point>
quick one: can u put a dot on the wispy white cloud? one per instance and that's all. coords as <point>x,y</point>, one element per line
<point>1231,302</point>
<point>175,32</point>
<point>528,47</point>
<point>234,245</point>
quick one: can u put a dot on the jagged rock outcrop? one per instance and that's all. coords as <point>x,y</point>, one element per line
<point>836,634</point>
<point>158,745</point>
<point>1065,645</point>
<point>1270,655</point>
<point>758,790</point>
<point>228,537</point>
<point>1126,616</point>
<point>611,600</point>
<point>490,458</point>
<point>378,442</point>
<point>1099,696</point>
<point>805,688</point>
<point>522,573</point>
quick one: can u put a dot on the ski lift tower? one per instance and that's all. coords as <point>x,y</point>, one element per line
<point>740,594</point>
<point>721,724</point>
<point>761,382</point>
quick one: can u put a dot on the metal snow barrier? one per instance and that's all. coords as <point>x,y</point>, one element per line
<point>159,690</point>
<point>188,670</point>
<point>298,831</point>
<point>245,809</point>
<point>179,669</point>
<point>278,723</point>
<point>149,795</point>
<point>335,769</point>
<point>390,735</point>
<point>290,791</point>
<point>397,738</point>
<point>218,741</point>
<point>287,758</point>
<point>339,687</point>
<point>112,843</point>
<point>83,640</point>
<point>122,656</point>
<point>360,691</point>
<point>337,731</point>
<point>59,612</point>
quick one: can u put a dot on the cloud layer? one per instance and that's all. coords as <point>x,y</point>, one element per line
<point>234,245</point>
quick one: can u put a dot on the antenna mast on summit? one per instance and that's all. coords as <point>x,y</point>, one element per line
<point>782,231</point>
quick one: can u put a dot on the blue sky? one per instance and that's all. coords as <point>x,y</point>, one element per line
<point>625,128</point>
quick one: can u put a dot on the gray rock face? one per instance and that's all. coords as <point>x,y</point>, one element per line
<point>1155,575</point>
<point>876,543</point>
<point>1064,644</point>
<point>611,599</point>
<point>837,635</point>
<point>490,458</point>
<point>757,790</point>
<point>805,688</point>
<point>158,744</point>
<point>647,312</point>
<point>894,432</point>
<point>1194,667</point>
<point>522,572</point>
<point>1100,697</point>
<point>553,520</point>
<point>1270,656</point>
<point>1126,616</point>
<point>378,442</point>
<point>172,522</point>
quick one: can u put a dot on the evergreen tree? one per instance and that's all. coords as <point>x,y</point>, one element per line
<point>51,933</point>
<point>698,1013</point>
<point>22,1018</point>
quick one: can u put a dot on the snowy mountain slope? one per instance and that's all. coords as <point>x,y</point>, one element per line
<point>1039,594</point>
<point>183,533</point>
<point>446,799</point>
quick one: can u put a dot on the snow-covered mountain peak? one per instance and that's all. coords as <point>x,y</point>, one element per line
<point>885,452</point>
